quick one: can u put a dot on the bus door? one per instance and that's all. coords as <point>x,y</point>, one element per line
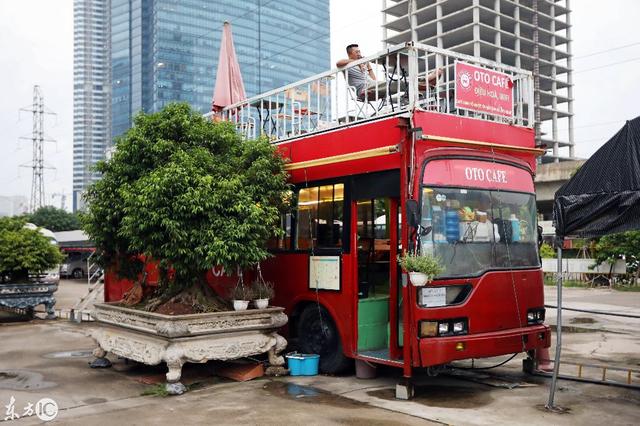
<point>377,274</point>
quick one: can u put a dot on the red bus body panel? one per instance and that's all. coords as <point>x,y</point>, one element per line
<point>495,327</point>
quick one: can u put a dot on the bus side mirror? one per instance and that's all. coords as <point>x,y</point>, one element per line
<point>413,214</point>
<point>540,239</point>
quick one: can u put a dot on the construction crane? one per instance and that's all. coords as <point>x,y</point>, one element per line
<point>63,199</point>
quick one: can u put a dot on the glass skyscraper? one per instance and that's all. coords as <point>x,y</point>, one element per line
<point>167,50</point>
<point>91,87</point>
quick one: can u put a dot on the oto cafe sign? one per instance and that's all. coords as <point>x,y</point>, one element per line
<point>483,90</point>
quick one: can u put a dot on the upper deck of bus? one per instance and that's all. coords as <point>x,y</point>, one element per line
<point>325,108</point>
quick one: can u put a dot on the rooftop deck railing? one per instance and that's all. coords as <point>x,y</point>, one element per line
<point>409,77</point>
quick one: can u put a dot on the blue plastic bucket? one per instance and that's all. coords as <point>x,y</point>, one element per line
<point>303,364</point>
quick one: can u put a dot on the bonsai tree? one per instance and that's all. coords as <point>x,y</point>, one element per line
<point>189,194</point>
<point>24,251</point>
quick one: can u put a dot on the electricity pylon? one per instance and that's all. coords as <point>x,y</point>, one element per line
<point>37,164</point>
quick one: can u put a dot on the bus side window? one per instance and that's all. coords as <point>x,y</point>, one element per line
<point>320,217</point>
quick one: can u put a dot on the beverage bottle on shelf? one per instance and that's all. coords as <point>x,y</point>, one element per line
<point>515,228</point>
<point>452,225</point>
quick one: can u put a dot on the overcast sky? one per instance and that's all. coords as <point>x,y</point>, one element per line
<point>36,47</point>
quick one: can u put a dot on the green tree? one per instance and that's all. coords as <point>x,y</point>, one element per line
<point>54,219</point>
<point>190,194</point>
<point>24,251</point>
<point>612,247</point>
<point>547,252</point>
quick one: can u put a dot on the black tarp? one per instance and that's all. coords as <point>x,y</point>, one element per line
<point>603,197</point>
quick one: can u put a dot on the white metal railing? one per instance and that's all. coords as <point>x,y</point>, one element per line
<point>409,77</point>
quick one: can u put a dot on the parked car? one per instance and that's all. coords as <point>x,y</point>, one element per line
<point>75,266</point>
<point>52,276</point>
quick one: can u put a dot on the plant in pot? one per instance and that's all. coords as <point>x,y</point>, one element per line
<point>26,253</point>
<point>241,295</point>
<point>179,196</point>
<point>262,292</point>
<point>421,268</point>
<point>188,195</point>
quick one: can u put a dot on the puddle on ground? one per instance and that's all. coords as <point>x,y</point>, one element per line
<point>572,329</point>
<point>23,380</point>
<point>309,394</point>
<point>583,320</point>
<point>444,396</point>
<point>82,353</point>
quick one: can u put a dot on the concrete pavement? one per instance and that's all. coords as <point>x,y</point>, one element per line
<point>49,359</point>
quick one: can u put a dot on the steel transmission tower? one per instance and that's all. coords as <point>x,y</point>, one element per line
<point>38,138</point>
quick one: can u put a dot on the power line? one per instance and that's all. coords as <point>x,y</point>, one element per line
<point>608,65</point>
<point>606,50</point>
<point>604,123</point>
<point>310,40</point>
<point>258,7</point>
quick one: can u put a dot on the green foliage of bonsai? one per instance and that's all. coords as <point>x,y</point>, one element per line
<point>190,194</point>
<point>547,252</point>
<point>54,219</point>
<point>24,251</point>
<point>427,264</point>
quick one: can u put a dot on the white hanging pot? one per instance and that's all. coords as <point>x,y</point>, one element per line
<point>240,305</point>
<point>261,303</point>
<point>418,279</point>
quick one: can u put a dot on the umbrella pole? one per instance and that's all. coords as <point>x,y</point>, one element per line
<point>556,363</point>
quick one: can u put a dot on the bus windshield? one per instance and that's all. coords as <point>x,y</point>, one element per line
<point>473,230</point>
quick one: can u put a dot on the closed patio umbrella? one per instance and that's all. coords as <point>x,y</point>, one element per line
<point>229,87</point>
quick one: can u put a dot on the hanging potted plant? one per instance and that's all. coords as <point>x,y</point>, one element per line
<point>262,293</point>
<point>421,268</point>
<point>241,296</point>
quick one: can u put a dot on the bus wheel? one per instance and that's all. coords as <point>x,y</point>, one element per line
<point>318,334</point>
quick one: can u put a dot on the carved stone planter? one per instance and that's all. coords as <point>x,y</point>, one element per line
<point>152,338</point>
<point>28,296</point>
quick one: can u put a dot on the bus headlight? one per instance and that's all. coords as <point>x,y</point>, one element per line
<point>442,328</point>
<point>535,316</point>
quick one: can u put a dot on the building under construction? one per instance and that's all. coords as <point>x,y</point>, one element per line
<point>531,34</point>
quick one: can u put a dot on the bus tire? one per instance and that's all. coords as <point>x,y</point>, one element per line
<point>328,344</point>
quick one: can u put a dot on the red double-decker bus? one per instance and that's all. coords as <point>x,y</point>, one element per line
<point>410,166</point>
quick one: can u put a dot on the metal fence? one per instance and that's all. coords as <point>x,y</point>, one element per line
<point>409,77</point>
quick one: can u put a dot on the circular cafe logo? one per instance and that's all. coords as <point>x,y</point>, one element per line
<point>465,80</point>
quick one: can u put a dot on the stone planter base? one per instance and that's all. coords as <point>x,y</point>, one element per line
<point>152,338</point>
<point>28,296</point>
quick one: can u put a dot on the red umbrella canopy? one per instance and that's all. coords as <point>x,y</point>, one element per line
<point>229,88</point>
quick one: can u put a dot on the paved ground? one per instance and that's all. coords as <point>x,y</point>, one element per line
<point>49,359</point>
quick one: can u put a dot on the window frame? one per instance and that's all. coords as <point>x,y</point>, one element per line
<point>422,185</point>
<point>346,218</point>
